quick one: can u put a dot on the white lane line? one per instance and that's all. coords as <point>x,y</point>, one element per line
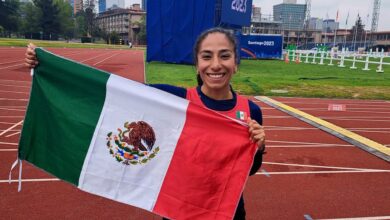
<point>354,119</point>
<point>359,218</point>
<point>10,128</point>
<point>7,67</point>
<point>7,150</point>
<point>31,180</point>
<point>12,62</point>
<point>105,59</point>
<point>7,143</point>
<point>324,167</point>
<point>92,58</point>
<point>323,172</point>
<point>289,129</point>
<point>27,87</point>
<point>277,116</point>
<point>7,99</point>
<point>17,81</point>
<point>13,109</point>
<point>306,143</point>
<point>7,91</point>
<point>10,135</point>
<point>307,146</point>
<point>365,131</point>
<point>16,116</point>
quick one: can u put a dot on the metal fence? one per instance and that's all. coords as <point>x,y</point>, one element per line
<point>339,58</point>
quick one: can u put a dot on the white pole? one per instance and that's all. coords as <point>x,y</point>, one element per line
<point>367,61</point>
<point>342,59</point>
<point>380,69</point>
<point>354,62</point>
<point>331,57</point>
<point>322,58</point>
<point>307,57</point>
<point>314,58</point>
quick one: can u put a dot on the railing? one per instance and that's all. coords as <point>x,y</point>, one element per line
<point>339,57</point>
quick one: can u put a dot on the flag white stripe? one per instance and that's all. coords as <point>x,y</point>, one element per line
<point>128,101</point>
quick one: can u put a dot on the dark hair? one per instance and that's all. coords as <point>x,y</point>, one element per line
<point>228,34</point>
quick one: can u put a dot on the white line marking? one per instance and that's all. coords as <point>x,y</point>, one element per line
<point>325,167</point>
<point>6,91</point>
<point>92,58</point>
<point>13,109</point>
<point>307,146</point>
<point>13,134</point>
<point>306,143</point>
<point>353,119</point>
<point>9,80</point>
<point>7,99</point>
<point>14,86</point>
<point>105,59</point>
<point>7,143</point>
<point>323,172</point>
<point>31,180</point>
<point>10,128</point>
<point>6,150</point>
<point>359,218</point>
<point>7,67</point>
<point>16,116</point>
<point>12,62</point>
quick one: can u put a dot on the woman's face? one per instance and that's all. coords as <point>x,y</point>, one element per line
<point>216,62</point>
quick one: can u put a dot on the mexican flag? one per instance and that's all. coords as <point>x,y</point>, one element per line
<point>132,143</point>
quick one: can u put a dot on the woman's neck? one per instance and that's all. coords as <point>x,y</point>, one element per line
<point>220,94</point>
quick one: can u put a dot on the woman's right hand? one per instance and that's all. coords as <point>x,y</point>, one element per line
<point>30,60</point>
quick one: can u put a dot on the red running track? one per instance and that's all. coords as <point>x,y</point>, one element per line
<point>306,171</point>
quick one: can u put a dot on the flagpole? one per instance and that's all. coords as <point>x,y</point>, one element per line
<point>345,34</point>
<point>365,34</point>
<point>335,29</point>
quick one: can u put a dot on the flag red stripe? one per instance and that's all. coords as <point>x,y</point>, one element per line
<point>208,170</point>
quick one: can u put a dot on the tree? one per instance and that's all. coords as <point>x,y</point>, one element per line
<point>49,19</point>
<point>9,16</point>
<point>141,35</point>
<point>67,22</point>
<point>30,20</point>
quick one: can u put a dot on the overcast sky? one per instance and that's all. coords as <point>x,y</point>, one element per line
<point>322,8</point>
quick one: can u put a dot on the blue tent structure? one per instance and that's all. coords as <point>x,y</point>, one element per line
<point>173,25</point>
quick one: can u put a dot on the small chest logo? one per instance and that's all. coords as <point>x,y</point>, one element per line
<point>134,144</point>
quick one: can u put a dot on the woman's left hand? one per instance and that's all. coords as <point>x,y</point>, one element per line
<point>257,133</point>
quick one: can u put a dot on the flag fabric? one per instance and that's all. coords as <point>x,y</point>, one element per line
<point>337,16</point>
<point>241,115</point>
<point>132,143</point>
<point>346,20</point>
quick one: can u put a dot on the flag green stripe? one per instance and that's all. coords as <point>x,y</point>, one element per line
<point>65,104</point>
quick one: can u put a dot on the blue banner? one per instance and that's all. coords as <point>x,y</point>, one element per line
<point>261,46</point>
<point>236,12</point>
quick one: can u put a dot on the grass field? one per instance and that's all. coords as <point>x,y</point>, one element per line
<point>267,77</point>
<point>276,78</point>
<point>41,43</point>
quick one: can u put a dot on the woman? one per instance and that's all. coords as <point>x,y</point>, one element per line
<point>216,61</point>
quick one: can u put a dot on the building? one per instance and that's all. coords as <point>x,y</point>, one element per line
<point>292,16</point>
<point>316,24</point>
<point>102,6</point>
<point>256,14</point>
<point>329,25</point>
<point>77,6</point>
<point>290,1</point>
<point>144,5</point>
<point>115,4</point>
<point>122,21</point>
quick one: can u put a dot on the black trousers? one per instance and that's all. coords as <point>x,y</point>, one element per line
<point>240,212</point>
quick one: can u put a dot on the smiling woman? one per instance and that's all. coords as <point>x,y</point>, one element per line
<point>216,61</point>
